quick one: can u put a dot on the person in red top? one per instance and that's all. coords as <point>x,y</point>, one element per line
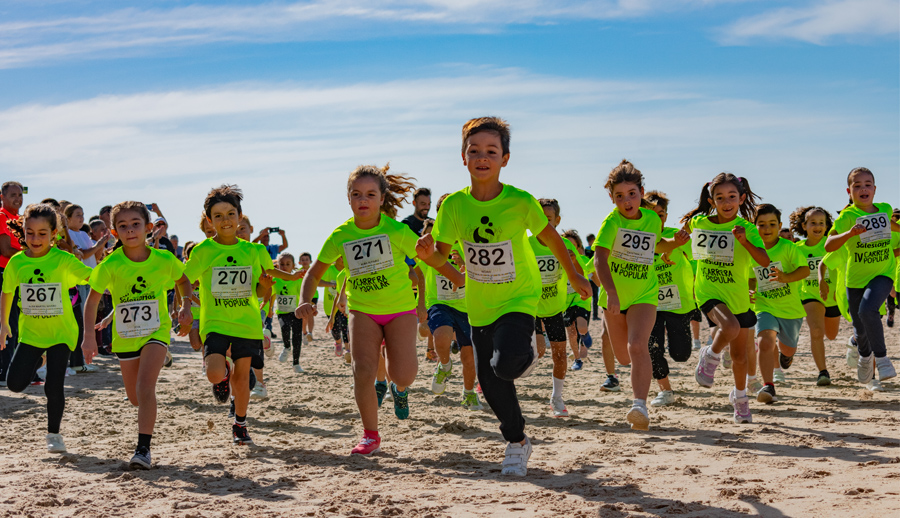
<point>11,196</point>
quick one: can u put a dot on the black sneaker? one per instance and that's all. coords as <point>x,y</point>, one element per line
<point>380,390</point>
<point>231,412</point>
<point>141,458</point>
<point>611,384</point>
<point>824,379</point>
<point>222,389</point>
<point>767,394</point>
<point>454,347</point>
<point>785,361</point>
<point>240,435</point>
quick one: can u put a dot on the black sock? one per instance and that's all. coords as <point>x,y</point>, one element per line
<point>240,419</point>
<point>144,439</point>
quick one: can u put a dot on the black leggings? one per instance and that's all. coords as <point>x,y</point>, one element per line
<point>678,327</point>
<point>25,362</point>
<point>339,329</point>
<point>292,333</point>
<point>502,353</point>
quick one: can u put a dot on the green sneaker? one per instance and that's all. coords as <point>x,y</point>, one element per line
<point>439,380</point>
<point>380,391</point>
<point>470,401</point>
<point>401,402</point>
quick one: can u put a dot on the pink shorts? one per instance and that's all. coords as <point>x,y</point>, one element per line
<point>384,320</point>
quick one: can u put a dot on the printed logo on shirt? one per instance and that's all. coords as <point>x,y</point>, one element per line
<point>231,261</point>
<point>137,291</point>
<point>872,256</point>
<point>38,277</point>
<point>717,275</point>
<point>485,229</point>
<point>630,270</point>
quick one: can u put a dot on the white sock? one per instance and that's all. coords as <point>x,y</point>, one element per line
<point>777,369</point>
<point>446,366</point>
<point>557,387</point>
<point>740,393</point>
<point>750,378</point>
<point>696,341</point>
<point>715,355</point>
<point>639,402</point>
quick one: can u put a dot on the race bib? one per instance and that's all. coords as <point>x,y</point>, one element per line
<point>713,245</point>
<point>368,255</point>
<point>445,289</point>
<point>137,319</point>
<point>813,263</point>
<point>286,303</point>
<point>551,270</point>
<point>878,227</point>
<point>634,246</point>
<point>42,300</point>
<point>765,277</point>
<point>490,263</point>
<point>668,298</point>
<point>231,282</point>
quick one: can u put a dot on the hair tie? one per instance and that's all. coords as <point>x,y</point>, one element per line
<point>743,180</point>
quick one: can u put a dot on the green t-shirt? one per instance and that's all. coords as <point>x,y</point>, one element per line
<point>439,289</point>
<point>228,276</point>
<point>330,275</point>
<point>867,260</point>
<point>375,259</point>
<point>895,244</point>
<point>676,281</point>
<point>553,278</point>
<point>46,318</point>
<point>837,266</point>
<point>287,296</point>
<point>776,298</point>
<point>724,264</point>
<point>631,244</point>
<point>809,288</point>
<point>139,296</point>
<point>501,272</point>
<point>572,297</point>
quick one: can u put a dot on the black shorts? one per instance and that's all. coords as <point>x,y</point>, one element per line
<point>556,328</point>
<point>696,316</point>
<point>133,355</point>
<point>572,313</point>
<point>217,343</point>
<point>830,311</point>
<point>746,320</point>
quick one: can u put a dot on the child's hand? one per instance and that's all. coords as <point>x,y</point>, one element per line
<point>306,310</point>
<point>266,281</point>
<point>422,314</point>
<point>752,297</point>
<point>823,290</point>
<point>581,286</point>
<point>89,347</point>
<point>185,319</point>
<point>612,303</point>
<point>5,333</point>
<point>740,234</point>
<point>665,259</point>
<point>425,247</point>
<point>681,237</point>
<point>857,230</point>
<point>779,275</point>
<point>103,324</point>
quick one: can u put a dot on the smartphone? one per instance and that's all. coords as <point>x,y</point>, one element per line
<point>274,229</point>
<point>24,190</point>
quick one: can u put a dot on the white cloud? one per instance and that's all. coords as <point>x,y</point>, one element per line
<point>291,146</point>
<point>819,23</point>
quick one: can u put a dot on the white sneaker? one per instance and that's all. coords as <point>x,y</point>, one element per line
<point>42,372</point>
<point>726,358</point>
<point>259,392</point>
<point>695,345</point>
<point>852,354</point>
<point>754,386</point>
<point>639,418</point>
<point>865,369</point>
<point>306,338</point>
<point>533,365</point>
<point>664,398</point>
<point>886,369</point>
<point>267,343</point>
<point>69,371</point>
<point>516,461</point>
<point>55,443</point>
<point>285,354</point>
<point>559,407</point>
<point>874,386</point>
<point>87,368</point>
<point>439,380</point>
<point>298,369</point>
<point>778,375</point>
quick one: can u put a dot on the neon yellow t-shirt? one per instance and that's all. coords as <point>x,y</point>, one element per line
<point>572,297</point>
<point>375,259</point>
<point>287,296</point>
<point>139,296</point>
<point>501,271</point>
<point>439,289</point>
<point>809,288</point>
<point>228,276</point>
<point>330,275</point>
<point>867,260</point>
<point>779,299</point>
<point>553,278</point>
<point>717,278</point>
<point>895,244</point>
<point>46,318</point>
<point>630,243</point>
<point>676,281</point>
<point>837,264</point>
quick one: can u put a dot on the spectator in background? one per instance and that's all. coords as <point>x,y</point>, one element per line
<point>159,238</point>
<point>421,208</point>
<point>11,198</point>
<point>595,290</point>
<point>105,212</point>
<point>274,250</point>
<point>787,234</point>
<point>178,249</point>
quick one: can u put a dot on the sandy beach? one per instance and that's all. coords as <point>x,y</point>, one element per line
<point>819,451</point>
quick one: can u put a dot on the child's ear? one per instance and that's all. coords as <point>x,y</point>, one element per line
<point>148,228</point>
<point>505,160</point>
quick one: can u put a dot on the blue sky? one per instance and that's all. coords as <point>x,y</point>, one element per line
<point>102,101</point>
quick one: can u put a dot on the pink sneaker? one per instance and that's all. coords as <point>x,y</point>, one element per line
<point>369,444</point>
<point>338,349</point>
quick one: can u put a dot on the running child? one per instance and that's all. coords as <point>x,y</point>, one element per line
<point>332,280</point>
<point>138,277</point>
<point>43,275</point>
<point>623,259</point>
<point>552,305</point>
<point>578,311</point>
<point>723,276</point>
<point>864,228</point>
<point>308,324</point>
<point>779,312</point>
<point>382,307</point>
<point>503,286</point>
<point>823,317</point>
<point>287,298</point>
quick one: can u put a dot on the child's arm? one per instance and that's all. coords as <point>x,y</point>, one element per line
<point>262,233</point>
<point>836,241</point>
<point>327,284</point>
<point>264,285</point>
<point>667,244</point>
<point>797,275</point>
<point>601,267</point>
<point>185,318</point>
<point>98,246</point>
<point>89,342</point>
<point>285,276</point>
<point>435,253</point>
<point>551,240</point>
<point>758,254</point>
<point>308,289</point>
<point>5,308</point>
<point>284,242</point>
<point>421,313</point>
<point>823,284</point>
